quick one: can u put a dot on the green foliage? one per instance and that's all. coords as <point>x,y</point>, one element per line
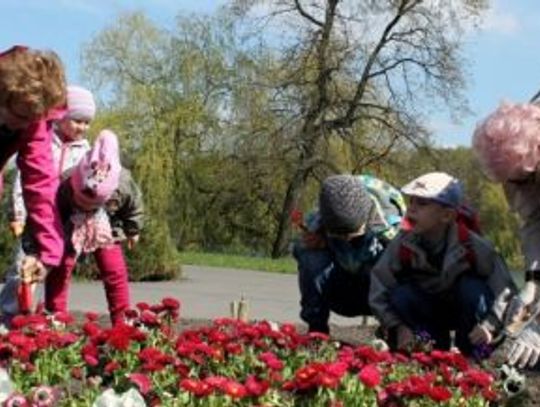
<point>237,261</point>
<point>225,129</point>
<point>7,242</point>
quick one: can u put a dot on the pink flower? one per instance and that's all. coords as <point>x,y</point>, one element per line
<point>16,400</point>
<point>142,381</point>
<point>43,396</point>
<point>90,354</point>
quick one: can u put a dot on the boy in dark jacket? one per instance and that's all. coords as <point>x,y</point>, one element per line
<point>438,276</point>
<point>340,245</point>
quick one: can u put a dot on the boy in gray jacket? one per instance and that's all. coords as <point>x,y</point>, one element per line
<point>438,276</point>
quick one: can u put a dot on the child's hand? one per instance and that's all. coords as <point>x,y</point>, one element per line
<point>405,337</point>
<point>480,335</point>
<point>132,241</point>
<point>16,228</point>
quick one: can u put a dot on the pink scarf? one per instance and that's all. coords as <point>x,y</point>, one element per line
<point>91,231</point>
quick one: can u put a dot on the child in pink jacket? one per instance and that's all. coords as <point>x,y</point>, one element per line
<point>101,206</point>
<point>32,93</point>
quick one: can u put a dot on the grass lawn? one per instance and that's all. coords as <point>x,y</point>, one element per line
<point>282,265</point>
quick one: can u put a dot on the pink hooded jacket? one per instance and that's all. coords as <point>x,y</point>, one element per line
<point>40,180</point>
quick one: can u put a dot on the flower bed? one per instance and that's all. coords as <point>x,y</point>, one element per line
<point>54,361</point>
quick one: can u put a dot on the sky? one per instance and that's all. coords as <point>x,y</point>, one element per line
<point>504,55</point>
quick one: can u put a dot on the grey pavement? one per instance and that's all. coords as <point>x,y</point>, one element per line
<point>206,292</point>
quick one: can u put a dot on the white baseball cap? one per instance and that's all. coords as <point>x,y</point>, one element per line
<point>438,186</point>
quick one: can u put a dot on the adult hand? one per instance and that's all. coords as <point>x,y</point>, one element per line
<point>32,270</point>
<point>16,228</point>
<point>516,310</point>
<point>405,337</point>
<point>524,350</point>
<point>132,241</point>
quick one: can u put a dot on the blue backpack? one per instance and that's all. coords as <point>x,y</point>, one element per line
<point>389,204</point>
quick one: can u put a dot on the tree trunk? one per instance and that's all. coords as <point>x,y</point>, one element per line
<point>291,198</point>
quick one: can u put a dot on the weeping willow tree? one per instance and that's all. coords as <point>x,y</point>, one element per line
<point>131,62</point>
<point>172,96</point>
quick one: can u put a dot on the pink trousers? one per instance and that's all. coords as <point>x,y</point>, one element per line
<point>114,274</point>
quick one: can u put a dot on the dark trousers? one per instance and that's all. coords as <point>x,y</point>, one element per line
<point>325,287</point>
<point>459,309</point>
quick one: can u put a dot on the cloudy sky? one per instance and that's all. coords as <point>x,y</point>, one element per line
<point>504,56</point>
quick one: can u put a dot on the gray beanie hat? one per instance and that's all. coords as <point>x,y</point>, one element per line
<point>344,204</point>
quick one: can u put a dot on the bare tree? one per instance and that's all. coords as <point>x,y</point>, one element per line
<point>364,71</point>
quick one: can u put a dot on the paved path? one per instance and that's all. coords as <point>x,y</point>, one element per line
<point>205,292</point>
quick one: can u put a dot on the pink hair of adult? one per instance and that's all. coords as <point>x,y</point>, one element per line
<point>507,142</point>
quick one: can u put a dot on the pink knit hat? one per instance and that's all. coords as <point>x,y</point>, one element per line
<point>97,174</point>
<point>80,103</point>
<point>507,142</point>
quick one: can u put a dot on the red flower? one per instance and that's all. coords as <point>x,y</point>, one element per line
<point>256,387</point>
<point>149,318</point>
<point>478,378</point>
<point>234,389</point>
<point>170,303</point>
<point>197,387</point>
<point>90,354</point>
<point>370,376</point>
<point>77,373</point>
<point>91,316</point>
<point>142,306</point>
<point>233,348</point>
<point>297,217</point>
<point>490,394</point>
<point>142,381</point>
<point>440,393</point>
<point>271,361</point>
<point>336,369</point>
<point>111,367</point>
<point>91,329</point>
<point>327,380</point>
<point>131,313</point>
<point>120,336</point>
<point>64,317</point>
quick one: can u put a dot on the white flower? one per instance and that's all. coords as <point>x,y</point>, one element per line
<point>514,382</point>
<point>131,398</point>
